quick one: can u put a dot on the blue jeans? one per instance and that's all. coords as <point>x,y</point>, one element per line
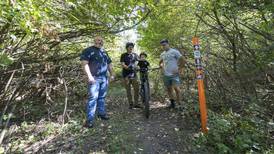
<point>96,98</point>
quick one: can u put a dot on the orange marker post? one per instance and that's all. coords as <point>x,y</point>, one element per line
<point>200,81</point>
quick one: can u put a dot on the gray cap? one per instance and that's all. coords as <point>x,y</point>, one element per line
<point>164,41</point>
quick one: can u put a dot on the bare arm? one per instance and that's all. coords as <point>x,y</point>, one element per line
<point>110,69</point>
<point>161,63</point>
<point>87,71</point>
<point>181,64</point>
<point>124,65</point>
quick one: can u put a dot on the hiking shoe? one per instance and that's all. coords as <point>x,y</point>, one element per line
<point>138,106</point>
<point>103,117</point>
<point>171,105</point>
<point>88,124</point>
<point>181,108</point>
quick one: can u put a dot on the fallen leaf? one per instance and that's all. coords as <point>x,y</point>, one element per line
<point>140,149</point>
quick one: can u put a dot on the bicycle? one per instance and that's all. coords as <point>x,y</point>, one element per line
<point>145,90</point>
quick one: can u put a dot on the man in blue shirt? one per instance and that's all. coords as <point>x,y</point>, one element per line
<point>96,64</point>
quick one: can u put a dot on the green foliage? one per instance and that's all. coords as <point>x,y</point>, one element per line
<point>5,60</point>
<point>232,133</point>
<point>236,40</point>
<point>44,30</point>
<point>121,143</point>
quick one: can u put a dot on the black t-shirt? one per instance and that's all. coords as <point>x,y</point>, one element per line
<point>143,64</point>
<point>129,59</point>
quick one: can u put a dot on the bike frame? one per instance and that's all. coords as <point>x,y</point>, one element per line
<point>143,79</point>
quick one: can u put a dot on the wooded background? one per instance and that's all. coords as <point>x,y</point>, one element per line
<point>41,76</point>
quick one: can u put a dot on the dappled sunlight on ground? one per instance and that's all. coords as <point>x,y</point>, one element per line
<point>157,104</point>
<point>128,131</point>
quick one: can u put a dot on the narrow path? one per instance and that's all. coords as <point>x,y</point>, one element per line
<point>166,131</point>
<point>128,131</point>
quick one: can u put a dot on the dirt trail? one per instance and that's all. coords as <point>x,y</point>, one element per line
<point>166,131</point>
<point>128,131</point>
<point>162,132</point>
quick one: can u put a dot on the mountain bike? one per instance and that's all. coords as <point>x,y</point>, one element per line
<point>144,89</point>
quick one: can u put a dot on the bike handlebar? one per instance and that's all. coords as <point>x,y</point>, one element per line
<point>146,69</point>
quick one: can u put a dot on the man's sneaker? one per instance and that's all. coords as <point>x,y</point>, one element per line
<point>130,107</point>
<point>171,105</point>
<point>138,106</point>
<point>181,108</point>
<point>88,124</point>
<point>103,117</point>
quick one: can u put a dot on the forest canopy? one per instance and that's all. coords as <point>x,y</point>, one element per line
<point>41,79</point>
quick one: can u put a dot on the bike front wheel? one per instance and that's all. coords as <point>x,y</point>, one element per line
<point>146,98</point>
